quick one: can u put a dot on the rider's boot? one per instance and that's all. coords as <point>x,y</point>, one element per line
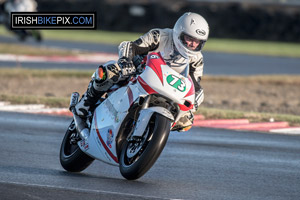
<point>88,101</point>
<point>103,80</point>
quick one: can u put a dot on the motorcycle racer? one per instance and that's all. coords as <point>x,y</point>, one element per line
<point>10,6</point>
<point>177,46</point>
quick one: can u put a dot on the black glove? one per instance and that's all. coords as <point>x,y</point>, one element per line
<point>127,67</point>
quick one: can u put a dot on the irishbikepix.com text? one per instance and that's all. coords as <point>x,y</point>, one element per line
<point>35,20</point>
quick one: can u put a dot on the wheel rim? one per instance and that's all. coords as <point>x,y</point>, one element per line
<point>135,148</point>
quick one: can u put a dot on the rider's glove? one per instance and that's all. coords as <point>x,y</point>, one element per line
<point>199,97</point>
<point>127,67</point>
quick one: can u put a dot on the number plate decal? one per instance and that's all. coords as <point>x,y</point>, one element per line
<point>176,82</point>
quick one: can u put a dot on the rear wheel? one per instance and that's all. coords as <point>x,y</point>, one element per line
<point>138,155</point>
<point>71,157</point>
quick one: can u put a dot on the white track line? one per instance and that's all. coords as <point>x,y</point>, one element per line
<point>91,58</point>
<point>291,131</point>
<point>30,108</point>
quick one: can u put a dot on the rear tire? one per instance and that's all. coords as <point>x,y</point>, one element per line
<point>134,165</point>
<point>72,158</point>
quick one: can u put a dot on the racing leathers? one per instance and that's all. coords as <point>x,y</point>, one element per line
<point>156,40</point>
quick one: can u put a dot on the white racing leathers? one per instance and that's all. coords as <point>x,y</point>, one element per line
<point>160,40</point>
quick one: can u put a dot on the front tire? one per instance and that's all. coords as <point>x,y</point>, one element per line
<point>133,164</point>
<point>72,158</point>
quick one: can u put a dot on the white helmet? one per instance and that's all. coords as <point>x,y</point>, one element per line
<point>194,26</point>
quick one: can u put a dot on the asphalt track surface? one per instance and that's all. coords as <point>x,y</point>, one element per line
<point>199,164</point>
<point>215,63</point>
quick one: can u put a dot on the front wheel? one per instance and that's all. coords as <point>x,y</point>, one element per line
<point>138,156</point>
<point>71,157</point>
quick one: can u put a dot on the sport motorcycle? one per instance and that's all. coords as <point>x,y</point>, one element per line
<point>130,127</point>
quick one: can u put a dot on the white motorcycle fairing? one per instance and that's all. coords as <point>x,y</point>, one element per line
<point>157,78</point>
<point>106,123</point>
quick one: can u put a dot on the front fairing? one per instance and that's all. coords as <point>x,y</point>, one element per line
<point>160,78</point>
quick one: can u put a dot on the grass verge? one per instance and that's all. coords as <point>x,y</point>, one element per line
<point>57,73</point>
<point>96,36</point>
<point>253,47</point>
<point>57,102</point>
<point>19,49</point>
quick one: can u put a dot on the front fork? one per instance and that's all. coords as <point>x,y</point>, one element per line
<point>145,115</point>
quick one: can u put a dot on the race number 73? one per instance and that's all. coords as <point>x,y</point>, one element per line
<point>176,82</point>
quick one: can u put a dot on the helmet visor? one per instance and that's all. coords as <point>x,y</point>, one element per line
<point>191,43</point>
